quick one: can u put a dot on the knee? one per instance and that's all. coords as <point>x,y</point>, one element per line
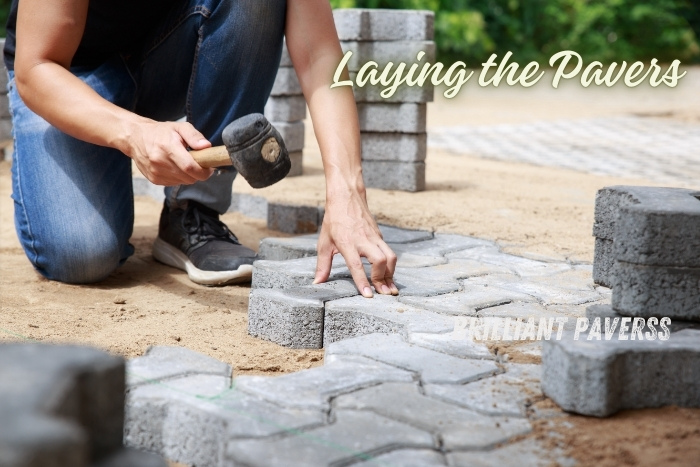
<point>80,259</point>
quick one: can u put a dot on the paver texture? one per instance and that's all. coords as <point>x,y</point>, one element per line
<point>363,24</point>
<point>392,118</point>
<point>160,363</point>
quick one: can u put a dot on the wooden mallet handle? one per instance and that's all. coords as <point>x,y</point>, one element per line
<point>212,157</point>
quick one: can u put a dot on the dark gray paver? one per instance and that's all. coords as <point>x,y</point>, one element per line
<point>432,366</point>
<point>294,219</point>
<point>458,428</point>
<point>165,362</point>
<point>353,436</point>
<point>602,377</point>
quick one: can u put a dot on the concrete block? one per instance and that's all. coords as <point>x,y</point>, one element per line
<point>432,367</point>
<point>452,343</point>
<point>508,394</point>
<point>467,302</point>
<point>313,388</point>
<point>281,249</point>
<point>294,219</point>
<point>407,458</point>
<point>538,288</point>
<point>403,176</point>
<point>345,441</point>
<point>293,317</point>
<point>523,267</point>
<point>4,106</point>
<point>411,285</point>
<point>354,24</point>
<point>297,159</point>
<point>607,311</point>
<point>454,270</point>
<point>164,362</point>
<point>394,147</point>
<point>404,93</point>
<point>528,452</point>
<point>5,129</point>
<point>390,51</point>
<point>285,109</point>
<point>444,244</point>
<point>249,205</point>
<point>355,316</point>
<point>601,377</point>
<point>397,235</point>
<point>286,83</point>
<point>133,458</point>
<point>392,118</point>
<point>647,291</point>
<point>603,262</point>
<point>293,273</point>
<point>457,427</point>
<point>292,134</point>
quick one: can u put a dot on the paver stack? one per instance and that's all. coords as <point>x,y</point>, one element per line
<point>393,129</point>
<point>286,110</point>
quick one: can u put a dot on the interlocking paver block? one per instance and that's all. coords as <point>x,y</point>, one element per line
<point>507,394</point>
<point>292,273</point>
<point>403,93</point>
<point>292,134</point>
<point>294,317</point>
<point>407,458</point>
<point>603,262</point>
<point>394,147</point>
<point>457,427</point>
<point>527,452</point>
<point>294,219</point>
<point>525,310</point>
<point>415,286</point>
<point>433,367</point>
<point>607,311</point>
<point>523,267</point>
<point>164,362</point>
<point>353,436</point>
<point>467,302</point>
<point>285,109</point>
<point>191,419</point>
<point>384,52</point>
<point>403,176</point>
<point>355,316</point>
<point>454,270</point>
<point>286,83</point>
<point>602,377</point>
<point>540,289</point>
<point>312,388</point>
<point>453,343</point>
<point>392,118</point>
<point>444,244</point>
<point>356,24</point>
<point>281,249</point>
<point>248,205</point>
<point>656,291</point>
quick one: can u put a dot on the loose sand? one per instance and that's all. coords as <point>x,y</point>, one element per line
<point>530,210</point>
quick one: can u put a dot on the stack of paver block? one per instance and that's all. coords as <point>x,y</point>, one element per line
<point>5,120</point>
<point>648,251</point>
<point>286,110</point>
<point>393,130</point>
<point>63,406</point>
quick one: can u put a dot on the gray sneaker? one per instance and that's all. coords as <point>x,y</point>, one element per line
<point>195,240</point>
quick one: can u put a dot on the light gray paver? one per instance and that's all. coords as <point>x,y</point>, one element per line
<point>249,205</point>
<point>384,52</point>
<point>527,452</point>
<point>523,267</point>
<point>443,244</point>
<point>412,285</point>
<point>467,302</point>
<point>602,377</point>
<point>353,436</point>
<point>403,93</point>
<point>407,458</point>
<point>506,394</point>
<point>404,176</point>
<point>297,160</point>
<point>394,147</point>
<point>392,118</point>
<point>540,289</point>
<point>364,24</point>
<point>356,316</point>
<point>293,273</point>
<point>281,249</point>
<point>294,317</point>
<point>457,427</point>
<point>433,367</point>
<point>312,388</point>
<point>607,311</point>
<point>454,270</point>
<point>285,109</point>
<point>286,83</point>
<point>164,362</point>
<point>292,134</point>
<point>294,219</point>
<point>453,343</point>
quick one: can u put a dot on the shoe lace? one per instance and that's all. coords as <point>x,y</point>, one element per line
<point>206,225</point>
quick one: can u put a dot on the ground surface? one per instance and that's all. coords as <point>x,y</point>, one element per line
<point>530,210</point>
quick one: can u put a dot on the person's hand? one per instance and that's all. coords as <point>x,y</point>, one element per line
<point>159,150</point>
<point>349,229</point>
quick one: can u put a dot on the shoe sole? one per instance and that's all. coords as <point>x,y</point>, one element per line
<point>168,254</point>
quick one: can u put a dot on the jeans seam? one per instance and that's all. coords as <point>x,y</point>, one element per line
<point>133,80</point>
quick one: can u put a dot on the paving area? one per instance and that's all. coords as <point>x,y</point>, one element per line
<point>402,382</point>
<point>661,150</point>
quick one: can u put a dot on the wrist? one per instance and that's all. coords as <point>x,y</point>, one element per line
<point>129,132</point>
<point>344,184</point>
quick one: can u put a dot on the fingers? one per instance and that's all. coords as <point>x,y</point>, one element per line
<point>324,261</point>
<point>354,263</point>
<point>391,260</point>
<point>191,136</point>
<point>192,171</point>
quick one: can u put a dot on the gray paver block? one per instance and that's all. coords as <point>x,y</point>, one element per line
<point>294,317</point>
<point>201,415</point>
<point>603,262</point>
<point>602,377</point>
<point>354,436</point>
<point>312,388</point>
<point>458,428</point>
<point>133,458</point>
<point>281,249</point>
<point>607,311</point>
<point>355,24</point>
<point>444,244</point>
<point>355,316</point>
<point>527,452</point>
<point>297,160</point>
<point>285,109</point>
<point>454,270</point>
<point>410,285</point>
<point>656,291</point>
<point>249,205</point>
<point>453,343</point>
<point>392,118</point>
<point>286,83</point>
<point>292,134</point>
<point>394,147</point>
<point>291,273</point>
<point>507,394</point>
<point>433,367</point>
<point>539,289</point>
<point>397,235</point>
<point>164,362</point>
<point>294,219</point>
<point>403,93</point>
<point>407,458</point>
<point>523,267</point>
<point>467,302</point>
<point>402,176</point>
<point>384,52</point>
<point>524,311</point>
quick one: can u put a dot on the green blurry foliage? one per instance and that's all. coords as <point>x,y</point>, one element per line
<point>604,30</point>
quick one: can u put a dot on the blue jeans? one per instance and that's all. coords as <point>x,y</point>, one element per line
<point>209,60</point>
